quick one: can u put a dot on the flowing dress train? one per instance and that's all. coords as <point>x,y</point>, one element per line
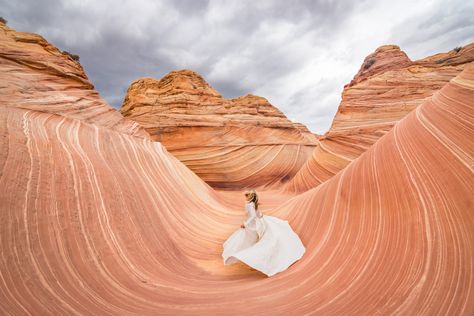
<point>267,243</point>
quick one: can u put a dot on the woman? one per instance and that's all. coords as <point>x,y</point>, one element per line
<point>265,243</point>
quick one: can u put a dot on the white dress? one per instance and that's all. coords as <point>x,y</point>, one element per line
<point>267,243</point>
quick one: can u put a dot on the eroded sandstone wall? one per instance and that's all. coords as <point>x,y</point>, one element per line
<point>387,87</point>
<point>229,143</point>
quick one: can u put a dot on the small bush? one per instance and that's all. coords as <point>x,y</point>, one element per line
<point>2,20</point>
<point>457,49</point>
<point>369,63</point>
<point>73,56</point>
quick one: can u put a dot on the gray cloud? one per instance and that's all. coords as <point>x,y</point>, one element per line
<point>297,54</point>
<point>441,29</point>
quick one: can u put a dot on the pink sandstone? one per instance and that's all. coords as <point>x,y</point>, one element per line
<point>387,87</point>
<point>36,75</point>
<point>95,219</point>
<point>229,143</point>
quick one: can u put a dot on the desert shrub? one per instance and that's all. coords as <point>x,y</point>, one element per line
<point>2,20</point>
<point>369,63</point>
<point>457,49</point>
<point>73,56</point>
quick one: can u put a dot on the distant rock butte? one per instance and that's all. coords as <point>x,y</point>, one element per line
<point>229,143</point>
<point>387,87</point>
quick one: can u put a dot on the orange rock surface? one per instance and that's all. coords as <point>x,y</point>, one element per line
<point>229,143</point>
<point>36,75</point>
<point>98,220</point>
<point>387,87</point>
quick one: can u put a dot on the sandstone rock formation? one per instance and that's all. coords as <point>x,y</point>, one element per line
<point>236,143</point>
<point>98,220</point>
<point>387,87</point>
<point>36,75</point>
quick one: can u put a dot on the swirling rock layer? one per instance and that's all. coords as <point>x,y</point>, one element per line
<point>242,142</point>
<point>102,222</point>
<point>387,87</point>
<point>36,75</point>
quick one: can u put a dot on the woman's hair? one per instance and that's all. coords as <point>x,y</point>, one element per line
<point>252,197</point>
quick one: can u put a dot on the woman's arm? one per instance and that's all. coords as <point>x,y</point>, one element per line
<point>251,218</point>
<point>252,215</point>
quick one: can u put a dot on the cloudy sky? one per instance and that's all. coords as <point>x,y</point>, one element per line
<point>297,54</point>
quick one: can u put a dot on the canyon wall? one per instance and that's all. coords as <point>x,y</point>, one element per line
<point>37,76</point>
<point>229,143</point>
<point>387,87</point>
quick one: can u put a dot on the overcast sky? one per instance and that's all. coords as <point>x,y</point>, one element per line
<point>297,54</point>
